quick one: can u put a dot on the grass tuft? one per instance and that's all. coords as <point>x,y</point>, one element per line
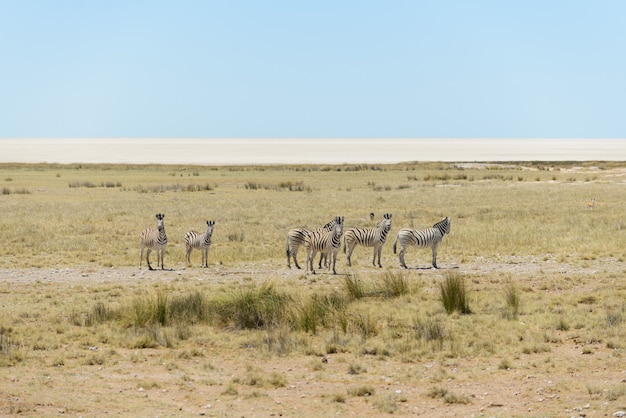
<point>453,294</point>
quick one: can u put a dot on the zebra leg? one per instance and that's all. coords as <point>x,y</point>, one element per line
<point>401,256</point>
<point>188,254</point>
<point>294,254</point>
<point>334,255</point>
<point>148,251</point>
<point>310,255</point>
<point>160,257</point>
<point>324,257</point>
<point>349,252</point>
<point>435,257</point>
<point>378,250</point>
<point>288,251</point>
<point>162,251</point>
<point>140,255</point>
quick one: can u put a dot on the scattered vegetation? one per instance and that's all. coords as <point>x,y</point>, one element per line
<point>281,186</point>
<point>89,184</point>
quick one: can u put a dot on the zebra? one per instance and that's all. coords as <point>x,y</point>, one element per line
<point>194,239</point>
<point>326,242</point>
<point>154,239</point>
<point>296,238</point>
<point>368,237</point>
<point>430,237</point>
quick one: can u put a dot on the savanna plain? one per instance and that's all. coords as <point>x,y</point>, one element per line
<point>526,315</point>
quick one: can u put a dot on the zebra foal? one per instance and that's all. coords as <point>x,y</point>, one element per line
<point>368,237</point>
<point>425,238</point>
<point>296,238</point>
<point>154,239</point>
<point>325,242</point>
<point>202,242</point>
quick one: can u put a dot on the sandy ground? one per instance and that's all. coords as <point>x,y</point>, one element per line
<point>554,383</point>
<point>305,151</point>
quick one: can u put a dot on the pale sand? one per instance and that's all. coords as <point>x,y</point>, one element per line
<point>304,151</point>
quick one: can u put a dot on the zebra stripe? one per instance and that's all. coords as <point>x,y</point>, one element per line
<point>154,239</point>
<point>202,242</point>
<point>426,238</point>
<point>368,237</point>
<point>325,242</point>
<point>296,238</point>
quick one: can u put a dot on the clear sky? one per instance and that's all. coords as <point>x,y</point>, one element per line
<point>425,69</point>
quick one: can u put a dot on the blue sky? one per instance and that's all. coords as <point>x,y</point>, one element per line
<point>424,69</point>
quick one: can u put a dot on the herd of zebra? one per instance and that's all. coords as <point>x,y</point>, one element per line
<point>325,240</point>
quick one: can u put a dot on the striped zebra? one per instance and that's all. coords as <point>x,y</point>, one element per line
<point>296,238</point>
<point>325,242</point>
<point>202,242</point>
<point>154,239</point>
<point>368,237</point>
<point>425,238</point>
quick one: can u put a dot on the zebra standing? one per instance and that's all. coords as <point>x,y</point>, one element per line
<point>154,239</point>
<point>368,237</point>
<point>326,242</point>
<point>296,238</point>
<point>430,237</point>
<point>194,239</point>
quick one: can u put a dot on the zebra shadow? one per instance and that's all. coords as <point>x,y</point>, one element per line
<point>432,268</point>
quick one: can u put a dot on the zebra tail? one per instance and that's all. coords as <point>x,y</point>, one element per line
<point>344,244</point>
<point>394,244</point>
<point>288,249</point>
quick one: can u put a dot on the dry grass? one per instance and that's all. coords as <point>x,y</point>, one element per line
<point>544,279</point>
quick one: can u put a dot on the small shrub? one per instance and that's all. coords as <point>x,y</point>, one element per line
<point>447,396</point>
<point>453,294</point>
<point>365,324</point>
<point>512,298</point>
<point>356,369</point>
<point>235,236</point>
<point>364,390</point>
<point>613,318</point>
<point>251,308</point>
<point>354,287</point>
<point>430,330</point>
<point>394,284</point>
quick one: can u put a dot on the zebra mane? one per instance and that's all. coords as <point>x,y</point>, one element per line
<point>443,226</point>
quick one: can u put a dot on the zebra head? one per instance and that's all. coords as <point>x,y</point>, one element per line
<point>443,226</point>
<point>386,222</point>
<point>159,217</point>
<point>209,227</point>
<point>338,226</point>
